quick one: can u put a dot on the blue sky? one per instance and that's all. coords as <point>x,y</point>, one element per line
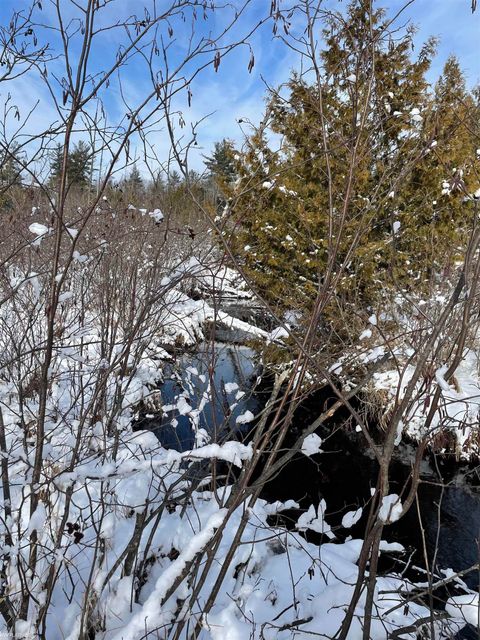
<point>233,93</point>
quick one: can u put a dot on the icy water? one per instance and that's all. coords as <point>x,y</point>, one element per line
<point>451,522</point>
<point>445,522</point>
<point>204,378</point>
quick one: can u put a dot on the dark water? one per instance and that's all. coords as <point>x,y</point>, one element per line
<point>203,379</point>
<point>450,518</point>
<point>444,523</point>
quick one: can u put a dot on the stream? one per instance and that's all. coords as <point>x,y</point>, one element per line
<point>213,366</point>
<point>343,474</point>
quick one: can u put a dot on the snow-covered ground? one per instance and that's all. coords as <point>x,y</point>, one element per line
<point>391,346</point>
<point>184,320</point>
<point>459,409</point>
<point>125,547</point>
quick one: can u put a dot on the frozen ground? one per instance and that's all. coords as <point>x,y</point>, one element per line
<point>123,540</point>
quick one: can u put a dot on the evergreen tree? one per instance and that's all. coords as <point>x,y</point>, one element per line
<point>135,178</point>
<point>221,172</point>
<point>10,168</point>
<point>431,203</point>
<point>221,164</point>
<point>79,165</point>
<point>133,184</point>
<point>56,164</point>
<point>351,189</point>
<point>174,180</point>
<point>194,177</point>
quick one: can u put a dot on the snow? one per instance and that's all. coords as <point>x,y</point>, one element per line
<point>415,115</point>
<point>234,452</point>
<point>38,229</point>
<point>272,569</point>
<point>311,445</point>
<point>278,506</point>
<point>233,323</point>
<point>37,519</point>
<point>183,406</point>
<point>66,295</point>
<point>185,319</point>
<point>314,519</point>
<point>286,191</point>
<point>245,418</point>
<point>466,607</point>
<point>391,508</point>
<point>24,629</point>
<point>351,518</point>
<point>458,408</point>
<point>151,612</point>
<point>439,377</point>
<point>367,333</point>
<point>373,355</point>
<point>78,257</point>
<point>336,368</point>
<point>157,215</point>
<point>276,577</point>
<point>277,335</point>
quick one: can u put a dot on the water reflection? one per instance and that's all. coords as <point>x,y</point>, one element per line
<point>203,395</point>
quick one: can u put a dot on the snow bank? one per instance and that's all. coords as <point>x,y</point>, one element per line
<point>459,406</point>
